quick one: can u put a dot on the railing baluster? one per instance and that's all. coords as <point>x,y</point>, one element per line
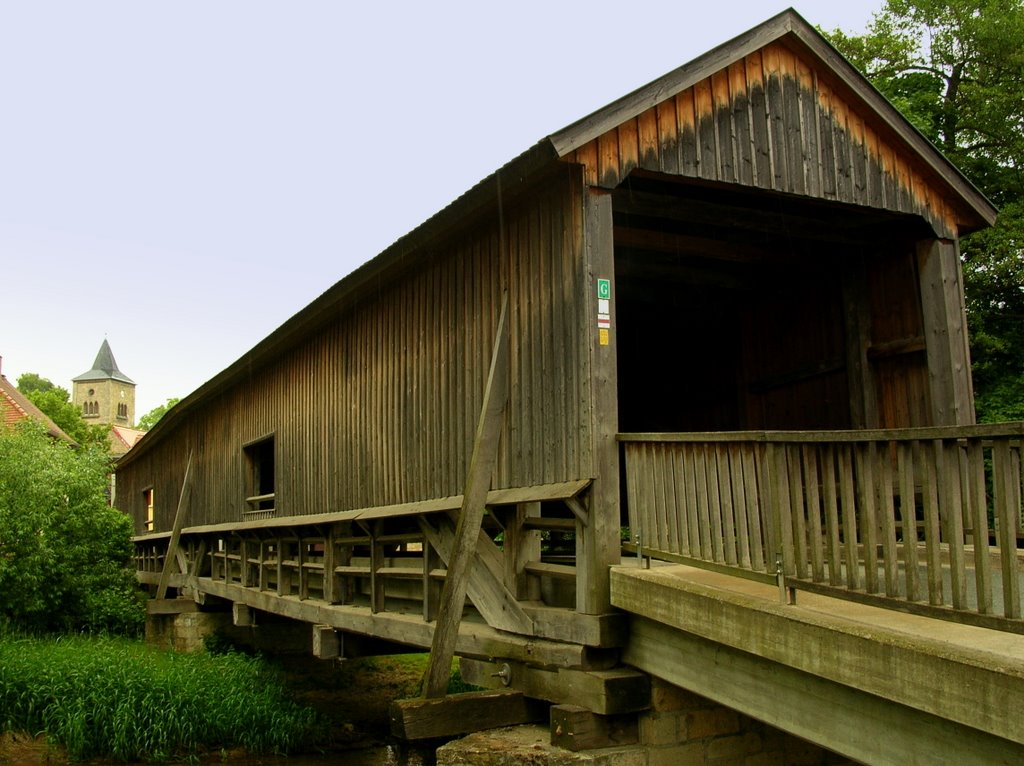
<point>714,503</point>
<point>1007,512</point>
<point>908,518</point>
<point>884,455</point>
<point>782,516</point>
<point>633,500</point>
<point>692,505</point>
<point>978,507</point>
<point>813,502</point>
<point>847,489</point>
<point>675,491</point>
<point>649,503</point>
<point>740,507</point>
<point>951,513</point>
<point>703,512</point>
<point>725,497</point>
<point>930,500</point>
<point>828,486</point>
<point>866,494</point>
<point>796,509</point>
<point>755,524</point>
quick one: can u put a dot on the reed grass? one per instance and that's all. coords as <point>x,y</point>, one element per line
<point>117,698</point>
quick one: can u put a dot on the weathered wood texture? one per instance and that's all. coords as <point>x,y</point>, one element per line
<point>921,520</point>
<point>456,714</point>
<point>379,406</point>
<point>471,516</point>
<point>774,121</point>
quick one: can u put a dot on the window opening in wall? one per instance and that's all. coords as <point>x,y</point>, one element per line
<point>259,459</point>
<point>147,499</point>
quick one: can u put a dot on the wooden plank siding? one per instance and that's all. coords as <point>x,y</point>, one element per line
<point>379,406</point>
<point>776,121</point>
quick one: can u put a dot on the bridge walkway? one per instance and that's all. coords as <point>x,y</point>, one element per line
<point>875,684</point>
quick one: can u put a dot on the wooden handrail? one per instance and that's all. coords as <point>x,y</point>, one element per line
<point>981,431</point>
<point>837,507</point>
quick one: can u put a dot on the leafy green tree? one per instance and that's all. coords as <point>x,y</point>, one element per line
<point>955,68</point>
<point>31,382</point>
<point>55,401</point>
<point>150,419</point>
<point>64,552</point>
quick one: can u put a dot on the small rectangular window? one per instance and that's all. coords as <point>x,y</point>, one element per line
<point>147,500</point>
<point>260,479</point>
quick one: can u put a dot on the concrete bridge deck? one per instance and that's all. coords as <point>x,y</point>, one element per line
<point>877,685</point>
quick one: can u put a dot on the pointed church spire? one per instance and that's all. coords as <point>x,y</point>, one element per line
<point>104,368</point>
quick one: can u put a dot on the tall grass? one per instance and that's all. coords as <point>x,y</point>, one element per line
<point>121,699</point>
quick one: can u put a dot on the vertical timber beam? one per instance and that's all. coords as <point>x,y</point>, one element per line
<point>857,321</point>
<point>478,482</point>
<point>179,520</point>
<point>945,329</point>
<point>521,547</point>
<point>599,548</point>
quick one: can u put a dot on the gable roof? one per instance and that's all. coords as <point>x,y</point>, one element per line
<point>123,438</point>
<point>568,145</point>
<point>104,368</point>
<point>15,406</point>
<point>863,124</point>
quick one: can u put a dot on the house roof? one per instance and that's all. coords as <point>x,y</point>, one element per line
<point>104,368</point>
<point>123,439</point>
<point>15,406</point>
<point>547,156</point>
<point>792,27</point>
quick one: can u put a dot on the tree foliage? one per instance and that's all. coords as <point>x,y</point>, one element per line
<point>955,68</point>
<point>150,419</point>
<point>64,552</point>
<point>55,402</point>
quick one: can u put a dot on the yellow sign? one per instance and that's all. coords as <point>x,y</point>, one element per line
<point>602,336</point>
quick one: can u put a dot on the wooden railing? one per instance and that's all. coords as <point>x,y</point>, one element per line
<point>923,520</point>
<point>391,558</point>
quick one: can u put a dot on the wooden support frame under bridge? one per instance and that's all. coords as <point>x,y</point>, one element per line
<point>384,562</point>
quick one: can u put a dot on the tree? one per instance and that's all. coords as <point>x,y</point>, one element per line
<point>150,419</point>
<point>64,552</point>
<point>55,402</point>
<point>955,68</point>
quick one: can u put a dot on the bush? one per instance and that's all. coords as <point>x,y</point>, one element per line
<point>112,697</point>
<point>64,552</point>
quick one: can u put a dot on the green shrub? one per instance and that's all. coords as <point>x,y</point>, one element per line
<point>107,697</point>
<point>64,552</point>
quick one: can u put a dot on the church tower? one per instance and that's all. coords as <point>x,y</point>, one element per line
<point>104,394</point>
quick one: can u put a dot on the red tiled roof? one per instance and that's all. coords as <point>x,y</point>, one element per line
<point>15,406</point>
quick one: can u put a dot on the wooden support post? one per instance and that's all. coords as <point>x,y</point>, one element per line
<point>599,548</point>
<point>945,329</point>
<point>522,546</point>
<point>330,580</point>
<point>431,586</point>
<point>376,563</point>
<point>459,714</point>
<point>576,728</point>
<point>283,585</point>
<point>478,479</point>
<point>179,519</point>
<point>326,642</point>
<point>300,561</point>
<point>241,615</point>
<point>607,692</point>
<point>857,319</point>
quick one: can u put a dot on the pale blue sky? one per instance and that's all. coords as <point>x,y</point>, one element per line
<point>181,177</point>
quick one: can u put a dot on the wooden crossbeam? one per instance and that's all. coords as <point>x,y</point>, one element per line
<point>478,478</point>
<point>172,546</point>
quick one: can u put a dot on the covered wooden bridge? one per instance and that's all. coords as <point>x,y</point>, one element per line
<point>717,327</point>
